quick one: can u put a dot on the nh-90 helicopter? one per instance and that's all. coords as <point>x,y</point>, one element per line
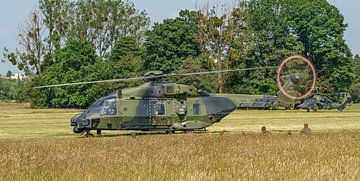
<point>170,107</point>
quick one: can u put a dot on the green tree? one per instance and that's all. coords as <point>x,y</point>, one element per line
<point>78,62</point>
<point>14,90</point>
<point>5,89</point>
<point>201,63</point>
<point>169,43</point>
<point>58,20</point>
<point>63,20</point>
<point>107,20</point>
<point>71,65</point>
<point>217,33</point>
<point>126,46</point>
<point>313,28</point>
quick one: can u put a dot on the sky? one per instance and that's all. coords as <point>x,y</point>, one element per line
<point>14,12</point>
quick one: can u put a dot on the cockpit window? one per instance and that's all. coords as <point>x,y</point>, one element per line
<point>325,100</point>
<point>109,107</point>
<point>97,106</point>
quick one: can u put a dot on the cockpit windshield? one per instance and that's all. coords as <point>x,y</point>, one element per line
<point>97,106</point>
<point>105,106</point>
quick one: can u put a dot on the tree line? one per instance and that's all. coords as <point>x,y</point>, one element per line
<point>71,41</point>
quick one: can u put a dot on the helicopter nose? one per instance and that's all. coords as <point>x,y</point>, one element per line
<point>73,121</point>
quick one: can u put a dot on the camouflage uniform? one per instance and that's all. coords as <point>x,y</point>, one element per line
<point>263,130</point>
<point>306,129</point>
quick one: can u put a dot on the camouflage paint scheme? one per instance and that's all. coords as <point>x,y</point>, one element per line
<point>154,106</point>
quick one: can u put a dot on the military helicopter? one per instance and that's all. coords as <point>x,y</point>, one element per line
<point>169,107</point>
<point>318,102</point>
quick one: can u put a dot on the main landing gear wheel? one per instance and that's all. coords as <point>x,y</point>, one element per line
<point>296,77</point>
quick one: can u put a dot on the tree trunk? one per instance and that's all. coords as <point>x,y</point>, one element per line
<point>220,84</point>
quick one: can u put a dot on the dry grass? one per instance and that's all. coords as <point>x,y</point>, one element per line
<point>51,152</point>
<point>184,157</point>
<point>321,121</point>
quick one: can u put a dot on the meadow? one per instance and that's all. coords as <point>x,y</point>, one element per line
<point>38,144</point>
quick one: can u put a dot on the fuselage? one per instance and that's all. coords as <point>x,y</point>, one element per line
<point>154,106</point>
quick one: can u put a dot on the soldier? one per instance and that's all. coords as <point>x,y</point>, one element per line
<point>263,130</point>
<point>306,129</point>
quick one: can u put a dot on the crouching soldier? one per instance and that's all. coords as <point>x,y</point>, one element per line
<point>306,129</point>
<point>264,131</point>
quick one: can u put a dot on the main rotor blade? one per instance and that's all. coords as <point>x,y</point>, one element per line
<point>222,71</point>
<point>101,81</point>
<point>152,77</point>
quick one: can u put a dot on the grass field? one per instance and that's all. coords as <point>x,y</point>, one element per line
<point>40,145</point>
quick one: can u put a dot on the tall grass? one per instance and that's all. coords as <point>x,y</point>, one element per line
<point>185,157</point>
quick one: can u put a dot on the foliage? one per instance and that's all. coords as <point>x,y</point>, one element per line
<point>169,43</point>
<point>14,90</point>
<point>107,20</point>
<point>217,34</point>
<point>126,47</point>
<point>71,65</point>
<point>202,63</point>
<point>315,29</point>
<point>58,21</point>
<point>78,62</point>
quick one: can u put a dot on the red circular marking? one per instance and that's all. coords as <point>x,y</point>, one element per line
<point>310,66</point>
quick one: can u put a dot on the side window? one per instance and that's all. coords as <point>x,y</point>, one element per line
<point>160,109</point>
<point>196,109</point>
<point>109,107</point>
